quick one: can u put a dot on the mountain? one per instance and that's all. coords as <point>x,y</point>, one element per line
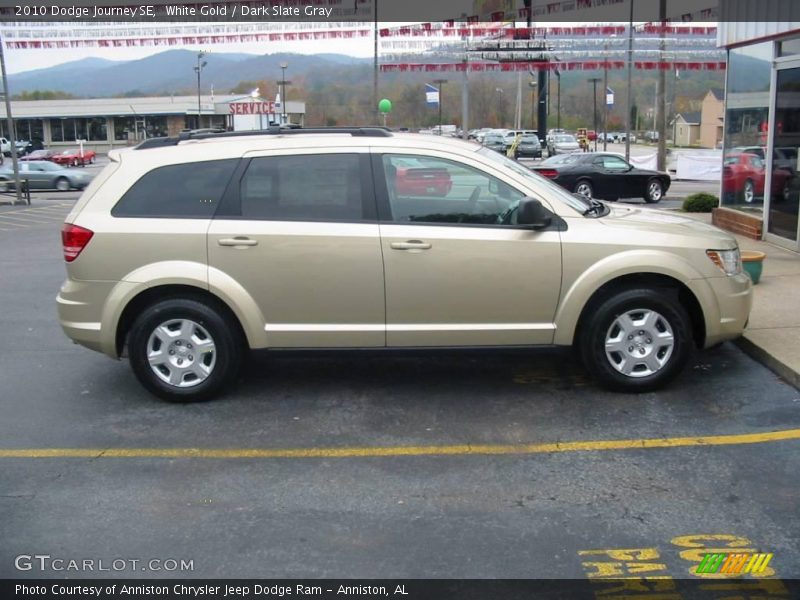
<point>168,72</point>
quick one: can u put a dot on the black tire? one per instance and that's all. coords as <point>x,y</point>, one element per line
<point>601,323</point>
<point>227,352</point>
<point>584,184</point>
<point>654,192</point>
<point>62,184</point>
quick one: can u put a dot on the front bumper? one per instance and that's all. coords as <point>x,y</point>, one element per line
<point>728,301</point>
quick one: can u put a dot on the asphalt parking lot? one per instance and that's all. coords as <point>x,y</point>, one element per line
<point>508,465</point>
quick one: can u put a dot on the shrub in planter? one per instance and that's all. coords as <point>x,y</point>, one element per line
<point>700,202</point>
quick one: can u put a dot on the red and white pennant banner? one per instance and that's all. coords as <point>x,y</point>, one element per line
<point>477,67</point>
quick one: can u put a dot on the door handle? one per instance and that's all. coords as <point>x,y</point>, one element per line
<point>237,241</point>
<point>411,245</point>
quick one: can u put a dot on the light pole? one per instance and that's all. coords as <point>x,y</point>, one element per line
<point>533,85</point>
<point>283,83</point>
<point>594,81</point>
<point>558,100</point>
<point>200,64</point>
<point>441,83</point>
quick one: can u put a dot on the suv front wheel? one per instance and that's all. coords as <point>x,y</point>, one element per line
<point>636,340</point>
<point>183,350</point>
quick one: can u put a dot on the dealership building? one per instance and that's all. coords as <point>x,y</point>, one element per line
<point>106,123</point>
<point>762,117</point>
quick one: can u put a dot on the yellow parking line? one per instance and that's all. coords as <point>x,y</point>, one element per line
<point>379,451</point>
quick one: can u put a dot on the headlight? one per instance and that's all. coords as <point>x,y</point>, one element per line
<point>730,261</point>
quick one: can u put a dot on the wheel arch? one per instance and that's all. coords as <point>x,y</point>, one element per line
<point>569,321</point>
<point>150,295</point>
<point>685,297</point>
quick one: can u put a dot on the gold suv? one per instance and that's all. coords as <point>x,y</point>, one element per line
<point>184,252</point>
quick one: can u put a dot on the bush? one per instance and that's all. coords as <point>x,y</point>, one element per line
<point>701,202</point>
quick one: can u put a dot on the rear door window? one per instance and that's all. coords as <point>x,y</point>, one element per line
<point>187,191</point>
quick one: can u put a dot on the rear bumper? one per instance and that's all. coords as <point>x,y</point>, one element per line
<point>88,313</point>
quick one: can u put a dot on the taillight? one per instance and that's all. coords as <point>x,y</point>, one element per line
<point>549,173</point>
<point>74,240</point>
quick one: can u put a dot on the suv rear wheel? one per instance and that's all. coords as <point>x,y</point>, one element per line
<point>636,340</point>
<point>183,350</point>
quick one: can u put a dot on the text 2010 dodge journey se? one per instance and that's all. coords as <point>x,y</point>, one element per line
<point>185,252</point>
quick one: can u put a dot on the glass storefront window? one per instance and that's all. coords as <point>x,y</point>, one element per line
<point>746,126</point>
<point>785,194</point>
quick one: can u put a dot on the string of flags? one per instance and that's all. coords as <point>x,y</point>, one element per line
<point>588,65</point>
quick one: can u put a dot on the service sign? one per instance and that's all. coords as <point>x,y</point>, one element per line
<point>252,108</point>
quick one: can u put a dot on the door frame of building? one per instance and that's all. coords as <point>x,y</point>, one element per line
<point>779,64</point>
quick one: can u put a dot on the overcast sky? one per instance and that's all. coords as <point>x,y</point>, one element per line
<point>26,60</point>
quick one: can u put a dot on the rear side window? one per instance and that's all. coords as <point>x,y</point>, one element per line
<point>188,191</point>
<point>311,187</point>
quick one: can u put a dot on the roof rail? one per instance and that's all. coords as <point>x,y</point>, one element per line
<point>204,134</point>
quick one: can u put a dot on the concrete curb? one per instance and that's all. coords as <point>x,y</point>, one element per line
<point>756,352</point>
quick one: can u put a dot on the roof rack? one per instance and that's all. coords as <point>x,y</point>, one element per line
<point>204,134</point>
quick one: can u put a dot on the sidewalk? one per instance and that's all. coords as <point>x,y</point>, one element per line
<point>772,336</point>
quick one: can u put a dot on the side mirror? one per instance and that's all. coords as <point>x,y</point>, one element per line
<point>530,212</point>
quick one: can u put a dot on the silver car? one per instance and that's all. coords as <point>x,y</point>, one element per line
<point>563,144</point>
<point>45,175</point>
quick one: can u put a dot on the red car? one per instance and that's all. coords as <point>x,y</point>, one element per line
<point>591,135</point>
<point>413,180</point>
<point>73,158</point>
<point>39,155</point>
<point>743,175</point>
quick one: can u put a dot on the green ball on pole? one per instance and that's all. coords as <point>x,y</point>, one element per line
<point>385,107</point>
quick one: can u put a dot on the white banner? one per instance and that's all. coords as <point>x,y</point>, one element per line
<point>699,167</point>
<point>649,161</point>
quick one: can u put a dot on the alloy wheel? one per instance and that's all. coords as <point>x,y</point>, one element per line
<point>639,343</point>
<point>181,353</point>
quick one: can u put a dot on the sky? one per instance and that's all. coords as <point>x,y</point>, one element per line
<point>27,60</point>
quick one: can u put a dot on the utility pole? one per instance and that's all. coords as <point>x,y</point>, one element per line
<point>605,97</point>
<point>200,65</point>
<point>375,60</point>
<point>629,106</point>
<point>558,100</point>
<point>662,96</point>
<point>594,81</point>
<point>12,138</point>
<point>283,83</point>
<point>440,83</point>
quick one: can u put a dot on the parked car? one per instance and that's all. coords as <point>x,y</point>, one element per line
<point>413,178</point>
<point>308,249</point>
<point>607,176</point>
<point>552,133</point>
<point>591,135</point>
<point>45,175</point>
<point>744,177</point>
<point>529,145</point>
<point>563,143</point>
<point>39,155</point>
<point>73,157</point>
<point>495,140</point>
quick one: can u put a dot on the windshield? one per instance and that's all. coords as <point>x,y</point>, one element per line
<point>493,137</point>
<point>530,138</point>
<point>578,203</point>
<point>565,138</point>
